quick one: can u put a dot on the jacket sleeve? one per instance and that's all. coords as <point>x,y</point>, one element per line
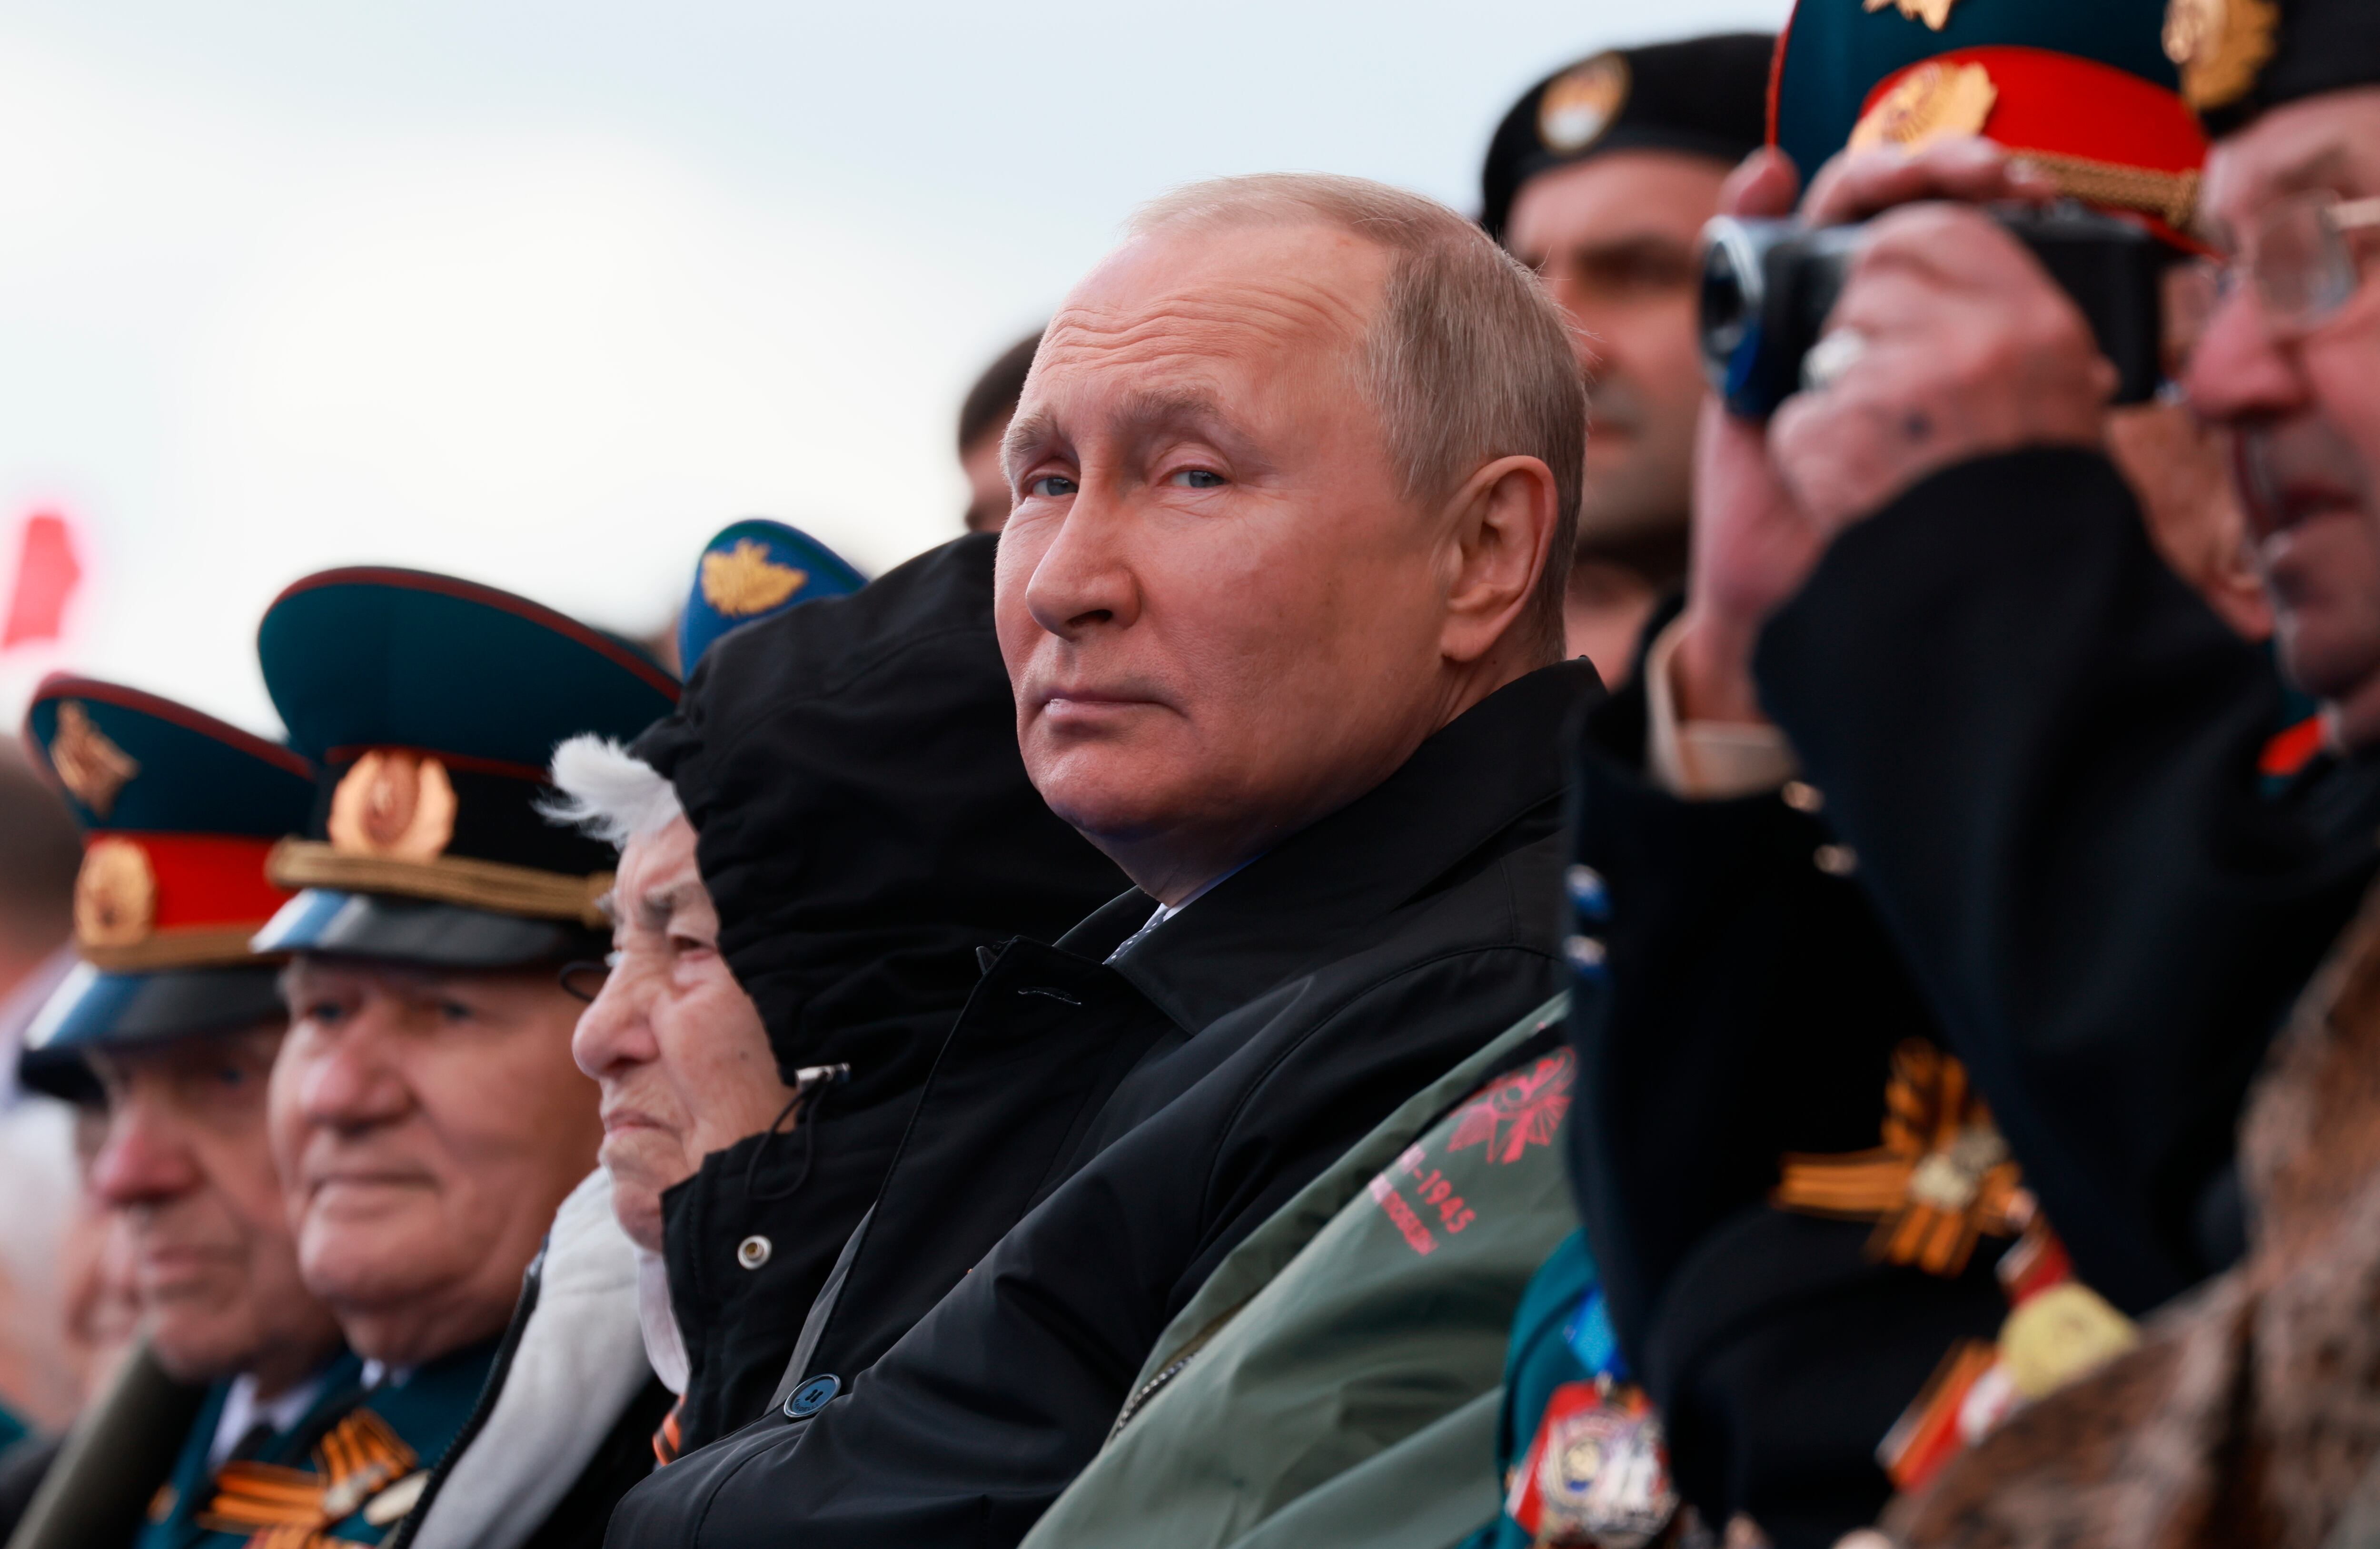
<point>2042,747</point>
<point>1754,1002</point>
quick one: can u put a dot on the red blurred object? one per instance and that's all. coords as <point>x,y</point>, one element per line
<point>47,573</point>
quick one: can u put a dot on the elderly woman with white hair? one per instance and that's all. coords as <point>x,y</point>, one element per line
<point>813,851</point>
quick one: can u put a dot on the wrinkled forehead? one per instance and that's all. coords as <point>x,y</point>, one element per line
<point>2330,142</point>
<point>1216,299</point>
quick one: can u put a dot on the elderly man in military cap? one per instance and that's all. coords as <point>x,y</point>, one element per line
<point>431,1131</point>
<point>2060,816</point>
<point>1811,1227</point>
<point>1600,178</point>
<point>174,1023</point>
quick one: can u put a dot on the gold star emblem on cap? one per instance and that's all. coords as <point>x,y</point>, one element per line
<point>394,805</point>
<point>115,895</point>
<point>2220,45</point>
<point>1933,102</point>
<point>745,580</point>
<point>1932,13</point>
<point>91,766</point>
<point>1581,103</point>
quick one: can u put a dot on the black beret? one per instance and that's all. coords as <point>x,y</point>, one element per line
<point>2239,57</point>
<point>1704,96</point>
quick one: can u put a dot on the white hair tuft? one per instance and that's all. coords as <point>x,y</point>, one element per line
<point>608,791</point>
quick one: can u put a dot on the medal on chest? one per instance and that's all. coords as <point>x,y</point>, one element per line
<point>1598,1474</point>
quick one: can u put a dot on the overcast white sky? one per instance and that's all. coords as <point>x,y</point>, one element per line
<point>545,294</point>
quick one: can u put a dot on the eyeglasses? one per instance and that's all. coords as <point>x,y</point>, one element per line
<point>584,980</point>
<point>2300,258</point>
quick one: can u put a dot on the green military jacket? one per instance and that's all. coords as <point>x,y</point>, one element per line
<point>1336,1381</point>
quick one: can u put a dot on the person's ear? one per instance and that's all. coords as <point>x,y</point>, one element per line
<point>1498,548</point>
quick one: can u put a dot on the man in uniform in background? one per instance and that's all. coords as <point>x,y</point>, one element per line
<point>430,1125</point>
<point>983,421</point>
<point>172,1024</point>
<point>1601,179</point>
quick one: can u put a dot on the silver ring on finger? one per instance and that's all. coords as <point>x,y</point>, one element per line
<point>1832,357</point>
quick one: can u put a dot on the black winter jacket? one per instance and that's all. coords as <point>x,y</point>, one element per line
<point>1096,1135</point>
<point>2043,747</point>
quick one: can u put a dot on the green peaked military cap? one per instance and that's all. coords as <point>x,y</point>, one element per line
<point>1834,53</point>
<point>432,705</point>
<point>179,813</point>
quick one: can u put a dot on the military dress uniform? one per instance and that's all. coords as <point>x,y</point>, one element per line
<point>1836,1186</point>
<point>179,813</point>
<point>431,705</point>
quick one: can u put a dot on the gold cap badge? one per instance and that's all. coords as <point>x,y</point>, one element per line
<point>2220,46</point>
<point>1581,103</point>
<point>1932,13</point>
<point>115,895</point>
<point>95,768</point>
<point>746,581</point>
<point>395,805</point>
<point>1933,102</point>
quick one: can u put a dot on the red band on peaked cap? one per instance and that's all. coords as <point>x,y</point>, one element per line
<point>2066,106</point>
<point>207,879</point>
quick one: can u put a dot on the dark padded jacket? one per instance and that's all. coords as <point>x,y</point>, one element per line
<point>2043,747</point>
<point>1024,1256</point>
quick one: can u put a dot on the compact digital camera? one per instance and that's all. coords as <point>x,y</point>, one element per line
<point>1768,287</point>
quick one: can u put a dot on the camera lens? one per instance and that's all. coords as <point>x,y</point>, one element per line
<point>1731,295</point>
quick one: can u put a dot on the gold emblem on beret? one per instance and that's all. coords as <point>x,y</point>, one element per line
<point>1932,13</point>
<point>1581,103</point>
<point>115,895</point>
<point>95,768</point>
<point>2220,46</point>
<point>1933,102</point>
<point>745,580</point>
<point>394,805</point>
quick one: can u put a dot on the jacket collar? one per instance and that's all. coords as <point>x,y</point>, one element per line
<point>1286,911</point>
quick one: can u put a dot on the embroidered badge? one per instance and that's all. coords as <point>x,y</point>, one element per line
<point>1580,105</point>
<point>1932,13</point>
<point>1524,1110</point>
<point>1503,1119</point>
<point>1934,102</point>
<point>95,768</point>
<point>745,580</point>
<point>2220,45</point>
<point>395,804</point>
<point>116,894</point>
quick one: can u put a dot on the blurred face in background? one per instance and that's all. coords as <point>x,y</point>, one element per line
<point>987,478</point>
<point>428,1124</point>
<point>187,1165</point>
<point>673,1040</point>
<point>1615,239</point>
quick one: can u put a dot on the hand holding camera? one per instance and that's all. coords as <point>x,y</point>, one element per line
<point>1945,340</point>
